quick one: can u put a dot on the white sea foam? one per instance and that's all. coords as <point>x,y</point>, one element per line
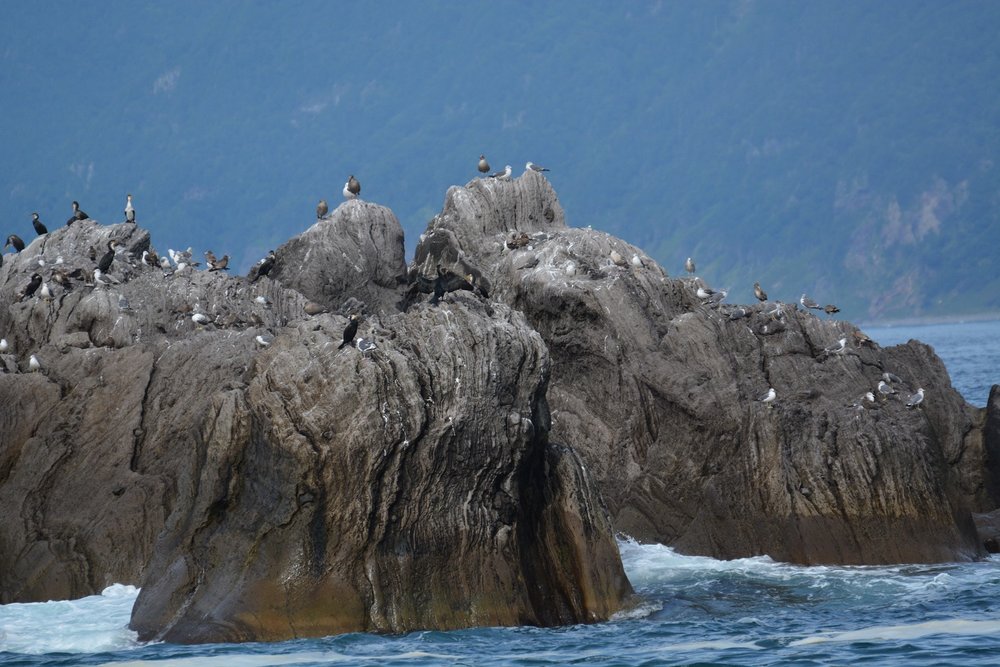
<point>87,625</point>
<point>277,659</point>
<point>954,626</point>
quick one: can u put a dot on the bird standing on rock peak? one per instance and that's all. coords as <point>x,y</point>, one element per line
<point>352,188</point>
<point>484,166</point>
<point>830,309</point>
<point>219,264</point>
<point>105,262</point>
<point>15,241</point>
<point>322,208</point>
<point>77,214</point>
<point>40,229</point>
<point>129,210</point>
<point>502,175</point>
<point>759,293</point>
<point>689,265</point>
<point>768,397</point>
<point>531,166</point>
<point>350,331</point>
<point>809,303</point>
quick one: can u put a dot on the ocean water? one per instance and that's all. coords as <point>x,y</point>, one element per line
<point>695,611</point>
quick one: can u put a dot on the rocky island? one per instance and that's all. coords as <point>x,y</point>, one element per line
<point>525,392</point>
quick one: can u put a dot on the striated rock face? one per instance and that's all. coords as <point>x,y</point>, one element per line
<point>355,253</point>
<point>657,392</point>
<point>286,488</point>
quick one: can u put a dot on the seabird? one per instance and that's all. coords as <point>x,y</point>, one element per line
<point>220,265</point>
<point>3,345</point>
<point>46,293</point>
<point>34,365</point>
<point>263,342</point>
<point>502,175</point>
<point>836,348</point>
<point>99,279</point>
<point>738,314</point>
<point>689,265</point>
<point>636,262</point>
<point>884,389</point>
<point>200,318</point>
<point>862,338</point>
<point>77,214</point>
<point>618,259</point>
<point>123,303</point>
<point>108,257</point>
<point>37,224</point>
<point>350,331</point>
<point>15,241</point>
<point>809,303</point>
<point>915,399</point>
<point>484,166</point>
<point>210,257</point>
<point>891,377</point>
<point>366,346</point>
<point>31,287</point>
<point>129,210</point>
<point>322,208</point>
<point>531,166</point>
<point>768,396</point>
<point>313,308</point>
<point>830,309</point>
<point>352,188</point>
<point>776,311</point>
<point>262,268</point>
<point>518,240</point>
<point>759,293</point>
<point>705,292</point>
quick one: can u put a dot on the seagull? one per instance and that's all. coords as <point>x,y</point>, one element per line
<point>502,175</point>
<point>37,224</point>
<point>199,318</point>
<point>46,292</point>
<point>891,377</point>
<point>738,314</point>
<point>4,346</point>
<point>484,166</point>
<point>129,210</point>
<point>531,166</point>
<point>352,188</point>
<point>915,399</point>
<point>34,365</point>
<point>689,265</point>
<point>263,342</point>
<point>768,397</point>
<point>809,303</point>
<point>322,208</point>
<point>776,311</point>
<point>366,346</point>
<point>836,348</point>
<point>262,300</point>
<point>101,279</point>
<point>636,262</point>
<point>884,389</point>
<point>759,293</point>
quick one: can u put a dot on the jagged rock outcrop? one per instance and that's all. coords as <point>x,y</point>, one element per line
<point>656,388</point>
<point>260,483</point>
<point>356,252</point>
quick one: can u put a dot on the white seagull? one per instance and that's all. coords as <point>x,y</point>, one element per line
<point>768,397</point>
<point>531,166</point>
<point>502,175</point>
<point>4,345</point>
<point>33,364</point>
<point>809,303</point>
<point>836,348</point>
<point>915,399</point>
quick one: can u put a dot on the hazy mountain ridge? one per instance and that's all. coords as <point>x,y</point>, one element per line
<point>843,149</point>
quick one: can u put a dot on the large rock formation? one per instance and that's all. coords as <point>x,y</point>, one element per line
<point>656,388</point>
<point>282,487</point>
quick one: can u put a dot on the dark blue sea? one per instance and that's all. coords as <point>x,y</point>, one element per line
<point>697,611</point>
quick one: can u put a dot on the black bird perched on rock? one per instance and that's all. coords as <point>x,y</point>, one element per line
<point>77,214</point>
<point>759,293</point>
<point>15,241</point>
<point>351,331</point>
<point>37,224</point>
<point>31,287</point>
<point>449,281</point>
<point>105,262</point>
<point>262,268</point>
<point>484,166</point>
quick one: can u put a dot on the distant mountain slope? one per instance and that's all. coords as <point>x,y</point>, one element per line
<point>845,149</point>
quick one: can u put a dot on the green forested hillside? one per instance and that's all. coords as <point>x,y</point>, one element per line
<point>845,149</point>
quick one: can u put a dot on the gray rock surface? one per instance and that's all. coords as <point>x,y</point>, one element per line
<point>286,488</point>
<point>656,389</point>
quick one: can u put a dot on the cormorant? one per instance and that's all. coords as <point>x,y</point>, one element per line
<point>129,210</point>
<point>350,331</point>
<point>37,224</point>
<point>15,241</point>
<point>77,214</point>
<point>262,268</point>
<point>105,262</point>
<point>31,287</point>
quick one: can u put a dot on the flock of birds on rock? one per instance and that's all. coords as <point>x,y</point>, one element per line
<point>775,311</point>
